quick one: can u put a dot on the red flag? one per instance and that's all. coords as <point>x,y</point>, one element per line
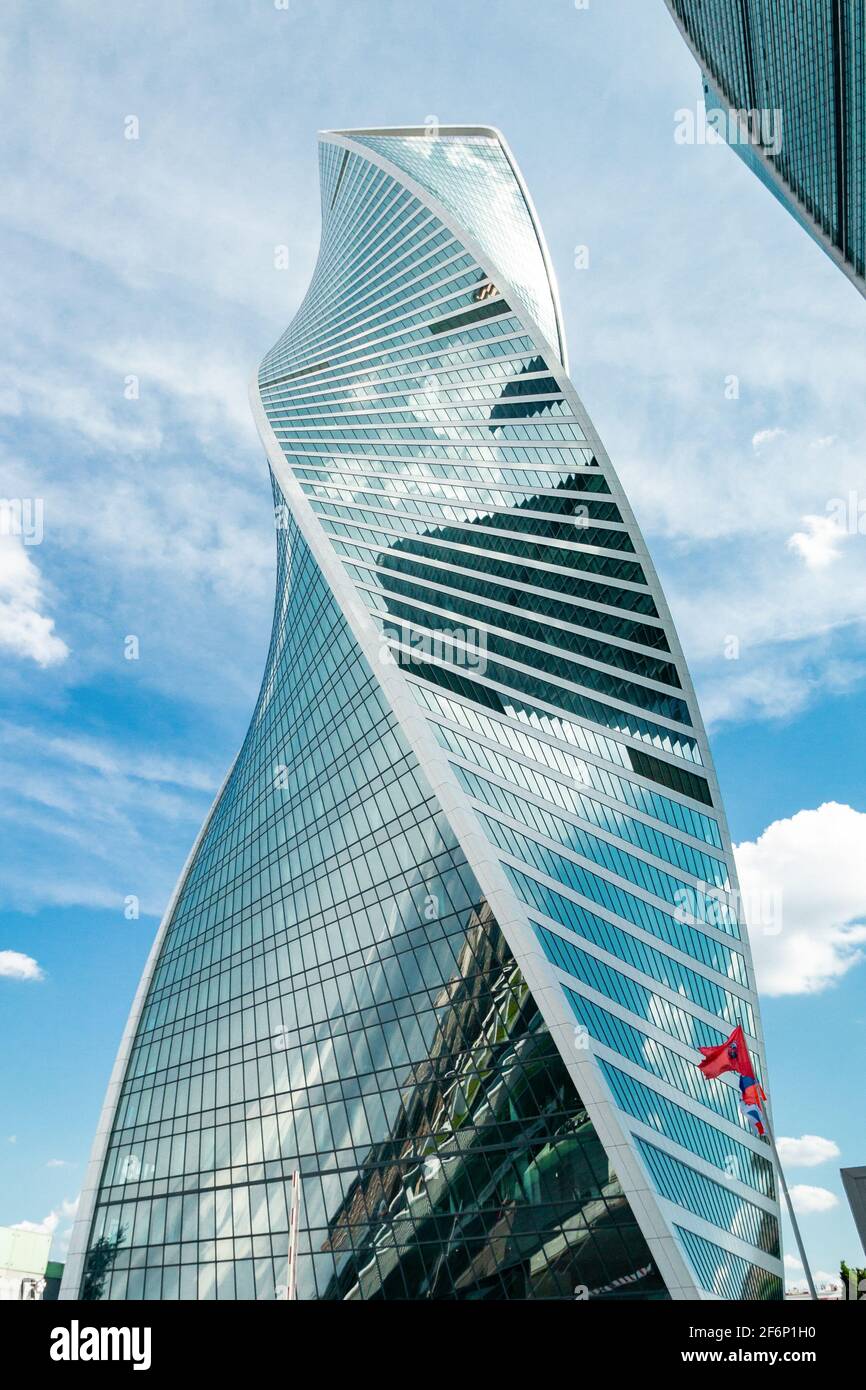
<point>732,1055</point>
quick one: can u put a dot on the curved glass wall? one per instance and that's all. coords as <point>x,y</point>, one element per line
<point>334,998</point>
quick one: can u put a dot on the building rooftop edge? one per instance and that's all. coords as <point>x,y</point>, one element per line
<point>416,130</point>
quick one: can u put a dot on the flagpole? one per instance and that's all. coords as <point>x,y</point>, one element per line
<point>780,1170</point>
<point>733,1055</point>
<point>292,1285</point>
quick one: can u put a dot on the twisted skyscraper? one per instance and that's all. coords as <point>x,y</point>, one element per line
<point>465,906</point>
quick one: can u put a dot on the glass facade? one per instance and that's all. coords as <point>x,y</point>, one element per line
<point>804,67</point>
<point>467,901</point>
<point>333,997</point>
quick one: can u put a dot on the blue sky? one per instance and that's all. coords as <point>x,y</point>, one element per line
<point>154,259</point>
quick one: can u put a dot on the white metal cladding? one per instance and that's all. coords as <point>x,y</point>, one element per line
<point>419,421</point>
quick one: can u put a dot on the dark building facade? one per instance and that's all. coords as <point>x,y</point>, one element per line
<point>793,72</point>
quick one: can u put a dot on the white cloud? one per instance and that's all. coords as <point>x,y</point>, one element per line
<point>14,965</point>
<point>792,592</point>
<point>113,760</point>
<point>764,437</point>
<point>807,1151</point>
<point>792,1264</point>
<point>745,529</point>
<point>100,812</point>
<point>24,630</point>
<point>814,860</point>
<point>210,388</point>
<point>78,407</point>
<point>59,1163</point>
<point>818,544</point>
<point>46,1227</point>
<point>58,1224</point>
<point>776,682</point>
<point>808,1201</point>
<point>63,891</point>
